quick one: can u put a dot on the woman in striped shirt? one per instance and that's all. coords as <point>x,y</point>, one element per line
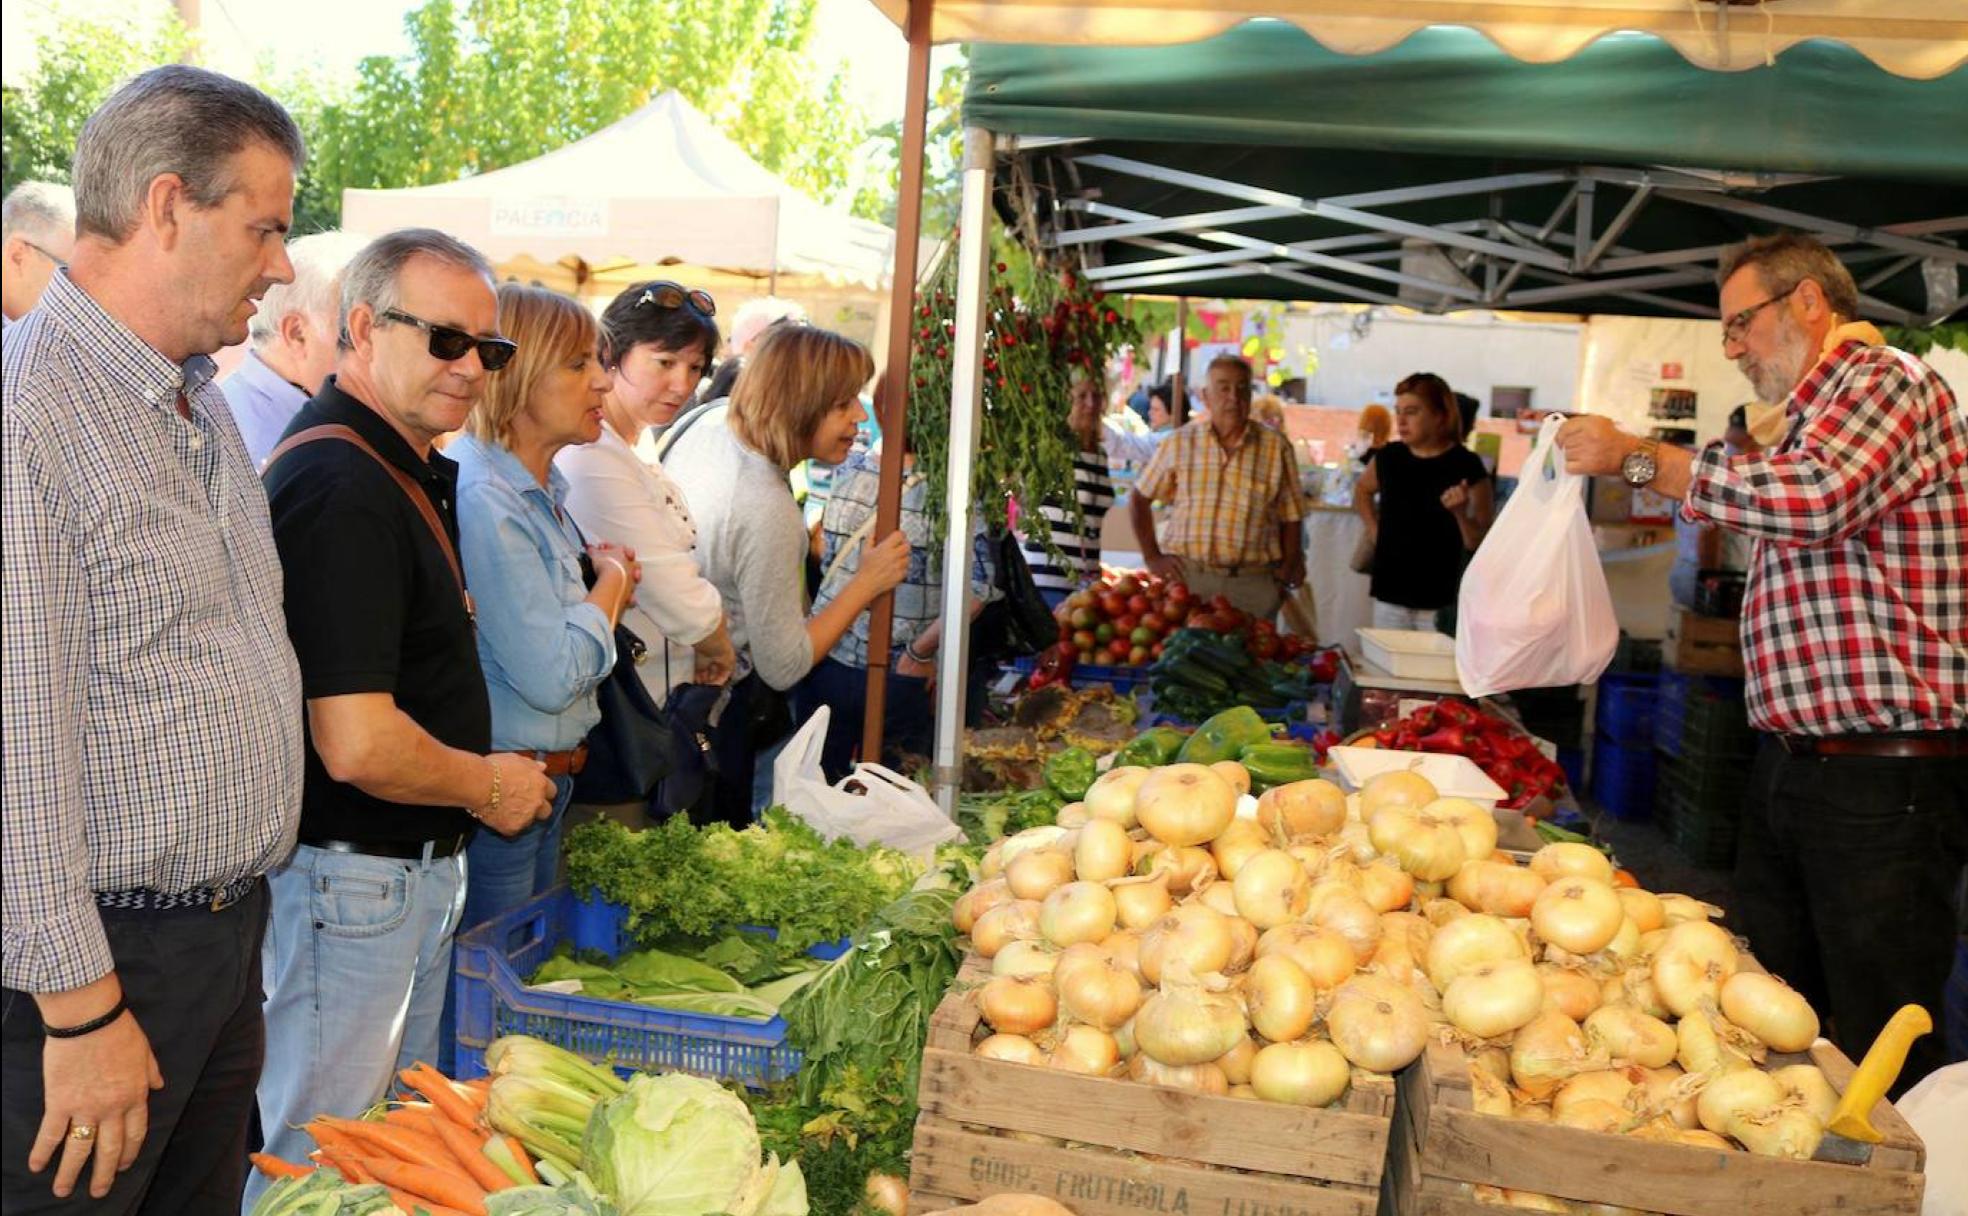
<point>1077,541</point>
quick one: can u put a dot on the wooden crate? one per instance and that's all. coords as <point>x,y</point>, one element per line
<point>1440,1144</point>
<point>1133,1148</point>
<point>1703,645</point>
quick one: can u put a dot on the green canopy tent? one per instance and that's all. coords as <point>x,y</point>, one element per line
<point>1444,173</point>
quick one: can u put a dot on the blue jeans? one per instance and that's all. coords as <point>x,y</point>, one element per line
<point>357,962</point>
<point>506,872</point>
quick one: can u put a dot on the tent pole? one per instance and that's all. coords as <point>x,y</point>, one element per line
<point>893,403</point>
<point>1178,382</point>
<point>966,400</point>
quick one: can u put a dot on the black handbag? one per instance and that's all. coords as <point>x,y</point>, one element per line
<point>1029,623</point>
<point>632,748</point>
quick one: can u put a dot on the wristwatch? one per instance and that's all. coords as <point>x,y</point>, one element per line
<point>1640,467</point>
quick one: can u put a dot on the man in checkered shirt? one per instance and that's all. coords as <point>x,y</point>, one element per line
<point>1855,637</point>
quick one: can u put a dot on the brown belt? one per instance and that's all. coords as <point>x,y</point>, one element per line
<point>564,764</point>
<point>1934,745</point>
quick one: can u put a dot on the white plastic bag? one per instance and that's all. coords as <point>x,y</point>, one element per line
<point>873,804</point>
<point>1534,610</point>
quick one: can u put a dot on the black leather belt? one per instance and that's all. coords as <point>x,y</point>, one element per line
<point>405,850</point>
<point>1928,745</point>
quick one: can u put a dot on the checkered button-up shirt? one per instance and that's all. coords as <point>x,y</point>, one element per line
<point>152,706</point>
<point>1226,505</point>
<point>1856,618</point>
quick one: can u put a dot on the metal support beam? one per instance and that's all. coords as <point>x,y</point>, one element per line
<point>1582,222</point>
<point>966,408</point>
<point>1176,223</point>
<point>1798,219</point>
<point>1944,311</point>
<point>1616,229</point>
<point>1594,287</point>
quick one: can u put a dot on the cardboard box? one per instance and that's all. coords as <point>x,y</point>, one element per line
<point>1703,645</point>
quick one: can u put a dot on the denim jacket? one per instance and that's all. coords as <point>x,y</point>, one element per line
<point>543,646</point>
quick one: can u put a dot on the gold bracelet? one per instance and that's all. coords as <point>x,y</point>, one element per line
<point>492,807</point>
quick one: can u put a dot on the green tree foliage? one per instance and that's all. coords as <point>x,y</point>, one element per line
<point>77,66</point>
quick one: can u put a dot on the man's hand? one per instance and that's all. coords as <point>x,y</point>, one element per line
<point>526,794</point>
<point>1291,571</point>
<point>1456,497</point>
<point>1593,446</point>
<point>715,657</point>
<point>100,1081</point>
<point>1165,565</point>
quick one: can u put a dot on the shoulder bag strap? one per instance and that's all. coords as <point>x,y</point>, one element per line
<point>410,488</point>
<point>853,539</point>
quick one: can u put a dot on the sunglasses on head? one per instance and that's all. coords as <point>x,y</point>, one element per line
<point>451,344</point>
<point>676,295</point>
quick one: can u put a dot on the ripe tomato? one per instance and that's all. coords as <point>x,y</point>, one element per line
<point>1139,605</point>
<point>1124,625</point>
<point>1127,585</point>
<point>1179,591</point>
<point>1120,648</point>
<point>1113,604</point>
<point>1154,622</point>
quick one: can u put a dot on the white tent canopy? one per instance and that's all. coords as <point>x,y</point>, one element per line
<point>662,185</point>
<point>1921,40</point>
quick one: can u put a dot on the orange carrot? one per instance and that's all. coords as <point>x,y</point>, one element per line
<point>415,1115</point>
<point>464,1145</point>
<point>436,1087</point>
<point>335,1141</point>
<point>476,1093</point>
<point>413,1206</point>
<point>274,1167</point>
<point>525,1162</point>
<point>430,1183</point>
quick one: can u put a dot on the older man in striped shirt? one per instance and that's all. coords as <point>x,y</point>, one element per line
<point>152,710</point>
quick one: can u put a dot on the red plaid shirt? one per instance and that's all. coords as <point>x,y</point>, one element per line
<point>1856,619</point>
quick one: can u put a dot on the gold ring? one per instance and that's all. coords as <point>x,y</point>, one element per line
<point>84,1132</point>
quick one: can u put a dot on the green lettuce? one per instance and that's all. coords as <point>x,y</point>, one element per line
<point>677,1145</point>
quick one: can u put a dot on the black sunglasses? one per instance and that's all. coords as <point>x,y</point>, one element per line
<point>676,295</point>
<point>451,344</point>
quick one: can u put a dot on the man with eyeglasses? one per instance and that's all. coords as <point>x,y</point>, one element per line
<point>37,237</point>
<point>1855,638</point>
<point>358,952</point>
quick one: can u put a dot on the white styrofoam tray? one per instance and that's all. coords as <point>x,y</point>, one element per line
<point>1452,776</point>
<point>1419,654</point>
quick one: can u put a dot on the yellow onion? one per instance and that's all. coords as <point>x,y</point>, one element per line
<point>1549,1051</point>
<point>1197,1078</point>
<point>1625,1033</point>
<point>1085,1050</point>
<point>1326,958</point>
<point>1805,1084</point>
<point>1385,886</point>
<point>1188,1024</point>
<point>1235,774</point>
<point>1749,1105</point>
<point>1572,993</point>
<point>1101,994</point>
<point>1667,1094</point>
<point>1473,822</point>
<point>1039,872</point>
<point>1236,1063</point>
<point>1077,912</point>
<point>1302,808</point>
<point>1336,906</point>
<point>1691,964</point>
<point>1011,1048</point>
<point>1271,889</point>
<point>1243,945</point>
<point>1591,1115</point>
<point>1356,840</point>
<point>1487,1095</point>
<point>1280,997</point>
<point>1493,1060</point>
<point>1219,896</point>
<point>1238,843</point>
<point>1469,942</point>
<point>1694,1137</point>
<point>1072,815</point>
<point>1494,998</point>
<point>1607,1085</point>
<point>1679,909</point>
<point>1562,859</point>
<point>1402,787</point>
<point>1103,852</point>
<point>1188,868</point>
<point>1704,1047</point>
<point>1773,1011</point>
<point>1496,886</point>
<point>1531,1112</point>
<point>977,901</point>
<point>1124,947</point>
<point>1140,902</point>
<point>1112,794</point>
<point>1403,950</point>
<point>1425,844</point>
<point>1184,804</point>
<point>1193,936</point>
<point>1309,1073</point>
<point>1643,908</point>
<point>1084,954</point>
<point>1018,1004</point>
<point>1016,921</point>
<point>1377,1024</point>
<point>1124,1039</point>
<point>1025,958</point>
<point>1439,912</point>
<point>1577,914</point>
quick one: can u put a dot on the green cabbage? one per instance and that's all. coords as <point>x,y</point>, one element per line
<point>677,1145</point>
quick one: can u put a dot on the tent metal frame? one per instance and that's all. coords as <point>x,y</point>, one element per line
<point>1502,265</point>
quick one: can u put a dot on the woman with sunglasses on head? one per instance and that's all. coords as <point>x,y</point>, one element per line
<point>1434,500</point>
<point>656,339</point>
<point>797,400</point>
<point>545,639</point>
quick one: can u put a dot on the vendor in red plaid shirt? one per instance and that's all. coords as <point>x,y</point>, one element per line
<point>1855,637</point>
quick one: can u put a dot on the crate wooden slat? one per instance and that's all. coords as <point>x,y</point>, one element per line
<point>1454,1144</point>
<point>1135,1147</point>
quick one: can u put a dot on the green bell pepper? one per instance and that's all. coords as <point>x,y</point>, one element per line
<point>1069,772</point>
<point>1225,736</point>
<point>1275,764</point>
<point>1155,746</point>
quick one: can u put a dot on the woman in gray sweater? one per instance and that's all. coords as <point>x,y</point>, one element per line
<point>796,400</point>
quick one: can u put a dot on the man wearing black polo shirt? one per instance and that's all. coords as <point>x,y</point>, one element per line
<point>358,951</point>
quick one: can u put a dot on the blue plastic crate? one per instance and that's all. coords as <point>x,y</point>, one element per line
<point>1121,678</point>
<point>489,979</point>
<point>1572,760</point>
<point>1627,705</point>
<point>1623,779</point>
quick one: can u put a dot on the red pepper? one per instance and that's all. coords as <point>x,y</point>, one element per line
<point>1462,713</point>
<point>1452,740</point>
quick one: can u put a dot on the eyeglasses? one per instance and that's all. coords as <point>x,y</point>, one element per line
<point>451,344</point>
<point>676,295</point>
<point>1735,327</point>
<point>43,251</point>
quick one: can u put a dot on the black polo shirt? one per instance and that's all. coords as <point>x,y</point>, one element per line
<point>373,606</point>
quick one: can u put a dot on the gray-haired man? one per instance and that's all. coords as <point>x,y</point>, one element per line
<point>152,705</point>
<point>293,338</point>
<point>37,236</point>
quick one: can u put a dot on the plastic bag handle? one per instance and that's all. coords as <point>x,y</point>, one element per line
<point>1543,474</point>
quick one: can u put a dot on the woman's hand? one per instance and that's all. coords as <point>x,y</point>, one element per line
<point>617,572</point>
<point>884,564</point>
<point>1456,497</point>
<point>907,664</point>
<point>715,657</point>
